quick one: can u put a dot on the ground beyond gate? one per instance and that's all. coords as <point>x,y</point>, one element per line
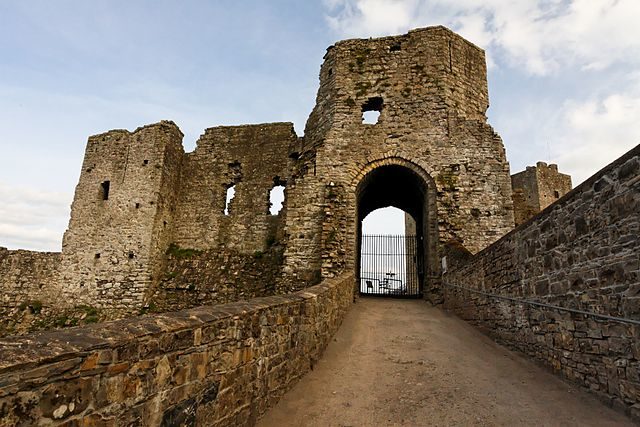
<point>390,266</point>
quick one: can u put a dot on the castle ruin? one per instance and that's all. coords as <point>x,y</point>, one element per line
<point>155,229</point>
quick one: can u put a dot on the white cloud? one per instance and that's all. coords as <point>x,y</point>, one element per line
<point>596,132</point>
<point>32,219</point>
<point>539,35</point>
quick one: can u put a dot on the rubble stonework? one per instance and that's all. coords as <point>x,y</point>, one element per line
<point>536,188</point>
<point>28,281</point>
<point>579,253</point>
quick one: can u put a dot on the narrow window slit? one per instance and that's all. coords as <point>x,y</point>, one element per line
<point>276,199</point>
<point>105,189</point>
<point>231,193</point>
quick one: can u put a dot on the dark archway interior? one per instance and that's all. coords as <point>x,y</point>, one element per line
<point>392,185</point>
<point>400,187</point>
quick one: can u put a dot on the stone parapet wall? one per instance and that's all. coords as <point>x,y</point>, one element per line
<point>581,253</point>
<point>217,366</point>
<point>28,285</point>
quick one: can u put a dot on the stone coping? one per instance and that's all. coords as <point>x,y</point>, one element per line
<point>29,351</point>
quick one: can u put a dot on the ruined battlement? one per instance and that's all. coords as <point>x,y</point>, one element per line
<point>537,187</point>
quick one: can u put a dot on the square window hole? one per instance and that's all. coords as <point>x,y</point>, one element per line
<point>371,110</point>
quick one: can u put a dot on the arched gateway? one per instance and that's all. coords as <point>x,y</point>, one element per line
<point>397,265</point>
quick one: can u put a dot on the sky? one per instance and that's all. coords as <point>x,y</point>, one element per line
<point>564,79</point>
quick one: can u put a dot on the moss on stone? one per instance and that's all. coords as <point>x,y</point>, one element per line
<point>177,252</point>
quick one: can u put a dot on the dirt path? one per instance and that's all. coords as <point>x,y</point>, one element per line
<point>399,362</point>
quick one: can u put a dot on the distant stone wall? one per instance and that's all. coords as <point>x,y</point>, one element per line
<point>195,278</point>
<point>252,159</point>
<point>535,188</point>
<point>28,286</point>
<point>216,366</point>
<point>122,217</point>
<point>583,252</point>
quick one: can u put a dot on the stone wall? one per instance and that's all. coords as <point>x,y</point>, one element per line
<point>195,278</point>
<point>254,159</point>
<point>535,188</point>
<point>581,253</point>
<point>29,284</point>
<point>216,366</point>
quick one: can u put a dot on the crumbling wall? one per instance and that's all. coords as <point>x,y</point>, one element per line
<point>121,217</point>
<point>430,89</point>
<point>579,253</point>
<point>29,287</point>
<point>215,366</point>
<point>194,278</point>
<point>254,159</point>
<point>535,188</point>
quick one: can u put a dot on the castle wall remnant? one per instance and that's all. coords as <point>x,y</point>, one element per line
<point>535,188</point>
<point>28,284</point>
<point>580,253</point>
<point>122,216</point>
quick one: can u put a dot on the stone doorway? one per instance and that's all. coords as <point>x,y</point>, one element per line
<point>406,186</point>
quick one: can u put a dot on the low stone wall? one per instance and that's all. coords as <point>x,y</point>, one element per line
<point>582,252</point>
<point>194,278</point>
<point>27,285</point>
<point>216,366</point>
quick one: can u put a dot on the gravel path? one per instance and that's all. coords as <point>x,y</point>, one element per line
<point>402,362</point>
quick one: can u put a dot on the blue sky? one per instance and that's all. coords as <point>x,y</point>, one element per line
<point>564,79</point>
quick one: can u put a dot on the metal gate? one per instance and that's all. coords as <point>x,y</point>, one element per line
<point>390,266</point>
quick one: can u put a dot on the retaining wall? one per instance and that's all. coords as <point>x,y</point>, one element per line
<point>581,253</point>
<point>215,366</point>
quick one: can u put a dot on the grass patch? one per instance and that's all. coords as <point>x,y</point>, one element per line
<point>180,253</point>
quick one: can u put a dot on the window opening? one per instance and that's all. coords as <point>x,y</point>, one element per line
<point>276,199</point>
<point>231,193</point>
<point>557,194</point>
<point>371,111</point>
<point>395,47</point>
<point>105,190</point>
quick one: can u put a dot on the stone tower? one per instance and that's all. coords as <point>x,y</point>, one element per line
<point>537,187</point>
<point>121,216</point>
<point>431,152</point>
